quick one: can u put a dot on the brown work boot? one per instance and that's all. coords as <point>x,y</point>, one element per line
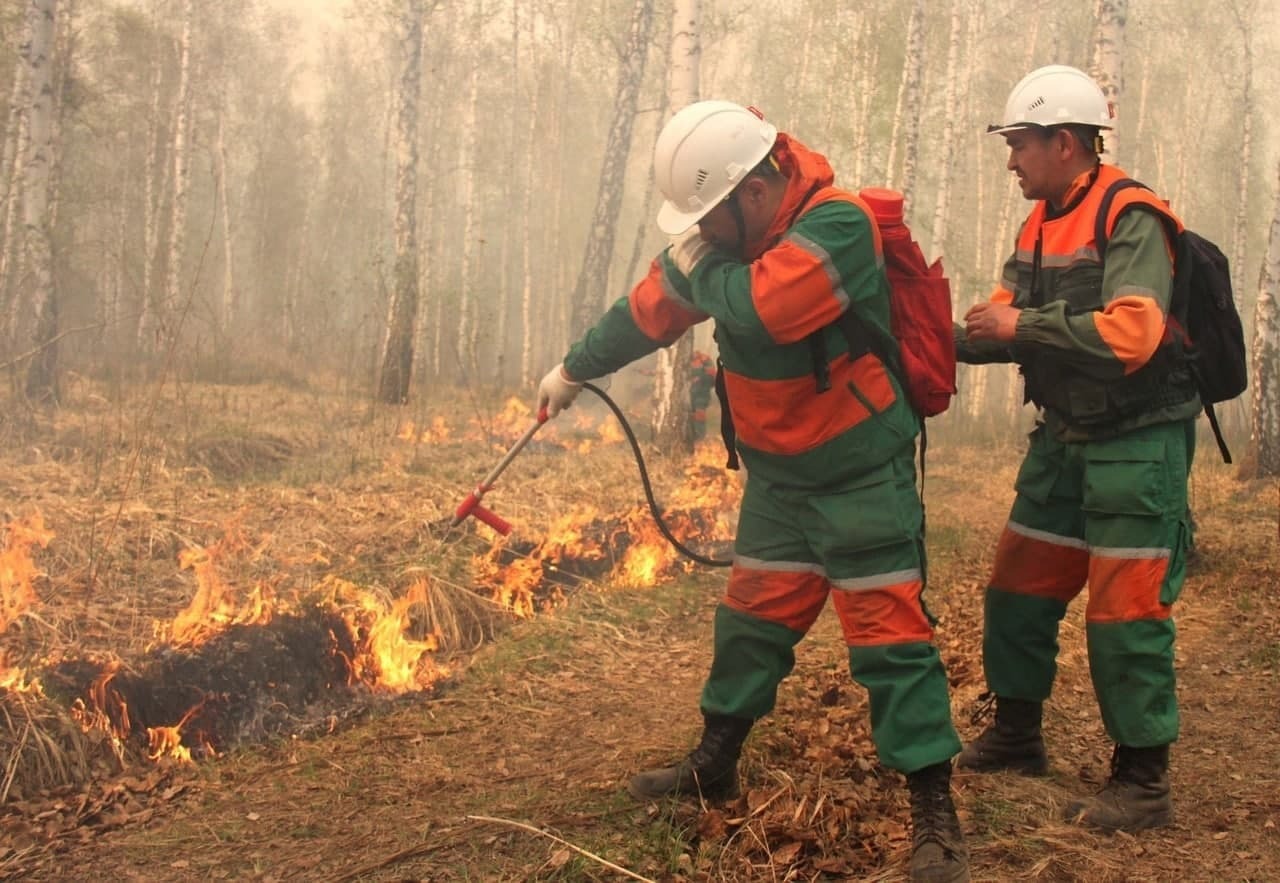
<point>1136,796</point>
<point>710,771</point>
<point>938,853</point>
<point>1012,743</point>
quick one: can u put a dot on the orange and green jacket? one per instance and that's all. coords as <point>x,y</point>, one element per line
<point>821,256</point>
<point>1093,338</point>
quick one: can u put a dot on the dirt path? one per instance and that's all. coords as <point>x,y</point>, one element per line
<point>545,726</point>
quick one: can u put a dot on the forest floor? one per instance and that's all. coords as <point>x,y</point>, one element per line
<point>512,764</point>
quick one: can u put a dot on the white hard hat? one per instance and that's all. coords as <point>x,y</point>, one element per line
<point>702,153</point>
<point>1055,95</point>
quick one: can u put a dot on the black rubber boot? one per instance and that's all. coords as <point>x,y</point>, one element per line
<point>938,853</point>
<point>1136,796</point>
<point>710,771</point>
<point>1012,743</point>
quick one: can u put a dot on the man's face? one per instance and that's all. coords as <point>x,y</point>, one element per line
<point>1035,160</point>
<point>720,228</point>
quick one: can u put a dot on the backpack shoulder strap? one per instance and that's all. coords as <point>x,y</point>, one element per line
<point>1102,230</point>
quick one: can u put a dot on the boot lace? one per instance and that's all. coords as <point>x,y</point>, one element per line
<point>985,708</point>
<point>933,816</point>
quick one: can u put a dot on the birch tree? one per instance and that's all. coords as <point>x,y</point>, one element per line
<point>1242,12</point>
<point>594,275</point>
<point>950,103</point>
<point>11,169</point>
<point>468,327</point>
<point>671,403</point>
<point>1108,60</point>
<point>42,374</point>
<point>181,161</point>
<point>397,353</point>
<point>1264,436</point>
<point>912,70</point>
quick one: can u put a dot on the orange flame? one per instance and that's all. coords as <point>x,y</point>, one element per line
<point>17,570</point>
<point>213,608</point>
<point>392,659</point>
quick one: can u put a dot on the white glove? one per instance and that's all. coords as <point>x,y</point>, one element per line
<point>557,391</point>
<point>688,249</point>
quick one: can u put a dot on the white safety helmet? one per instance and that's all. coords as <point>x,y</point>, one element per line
<point>1055,95</point>
<point>704,152</point>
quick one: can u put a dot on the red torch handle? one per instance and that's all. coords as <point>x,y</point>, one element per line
<point>471,505</point>
<point>497,522</point>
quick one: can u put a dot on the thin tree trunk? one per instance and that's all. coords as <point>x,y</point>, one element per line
<point>592,285</point>
<point>397,357</point>
<point>12,167</point>
<point>1243,113</point>
<point>942,205</point>
<point>42,373</point>
<point>227,303</point>
<point>152,194</point>
<point>913,68</point>
<point>1108,61</point>
<point>671,381</point>
<point>1263,460</point>
<point>181,161</point>
<point>467,326</point>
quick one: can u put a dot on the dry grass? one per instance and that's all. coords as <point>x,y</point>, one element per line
<point>543,725</point>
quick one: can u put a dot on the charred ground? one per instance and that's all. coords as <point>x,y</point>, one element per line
<point>511,767</point>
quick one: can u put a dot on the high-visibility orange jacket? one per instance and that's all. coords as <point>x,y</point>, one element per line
<point>821,256</point>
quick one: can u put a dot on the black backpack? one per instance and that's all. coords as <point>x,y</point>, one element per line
<point>1204,306</point>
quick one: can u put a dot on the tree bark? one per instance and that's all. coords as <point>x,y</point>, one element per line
<point>1108,61</point>
<point>181,165</point>
<point>1263,459</point>
<point>913,68</point>
<point>671,387</point>
<point>42,373</point>
<point>593,278</point>
<point>397,356</point>
<point>942,205</point>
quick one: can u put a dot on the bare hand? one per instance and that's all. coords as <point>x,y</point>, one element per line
<point>994,322</point>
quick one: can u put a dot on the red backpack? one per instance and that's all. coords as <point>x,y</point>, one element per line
<point>922,355</point>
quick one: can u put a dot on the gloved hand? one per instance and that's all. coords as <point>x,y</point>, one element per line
<point>557,391</point>
<point>688,249</point>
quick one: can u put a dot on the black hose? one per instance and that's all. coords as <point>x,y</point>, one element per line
<point>648,488</point>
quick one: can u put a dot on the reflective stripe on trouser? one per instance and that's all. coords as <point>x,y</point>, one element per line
<point>861,543</point>
<point>1112,514</point>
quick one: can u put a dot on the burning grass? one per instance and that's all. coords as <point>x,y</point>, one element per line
<point>176,616</point>
<point>188,597</point>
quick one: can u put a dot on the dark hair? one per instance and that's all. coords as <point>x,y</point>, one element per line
<point>767,168</point>
<point>1088,137</point>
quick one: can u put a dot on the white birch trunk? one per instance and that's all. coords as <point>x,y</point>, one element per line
<point>913,68</point>
<point>1244,113</point>
<point>591,289</point>
<point>1264,430</point>
<point>671,375</point>
<point>950,102</point>
<point>14,161</point>
<point>181,161</point>
<point>227,303</point>
<point>41,301</point>
<point>527,331</point>
<point>1108,63</point>
<point>467,326</point>
<point>151,213</point>
<point>1140,127</point>
<point>868,59</point>
<point>509,197</point>
<point>397,354</point>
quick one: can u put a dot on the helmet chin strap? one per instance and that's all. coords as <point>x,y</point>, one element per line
<point>740,221</point>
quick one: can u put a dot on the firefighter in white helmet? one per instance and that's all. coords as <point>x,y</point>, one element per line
<point>1101,498</point>
<point>766,246</point>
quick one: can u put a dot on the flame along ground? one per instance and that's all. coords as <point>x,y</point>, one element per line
<point>380,654</point>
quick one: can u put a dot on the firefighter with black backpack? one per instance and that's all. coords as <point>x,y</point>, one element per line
<point>1102,492</point>
<point>766,246</point>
